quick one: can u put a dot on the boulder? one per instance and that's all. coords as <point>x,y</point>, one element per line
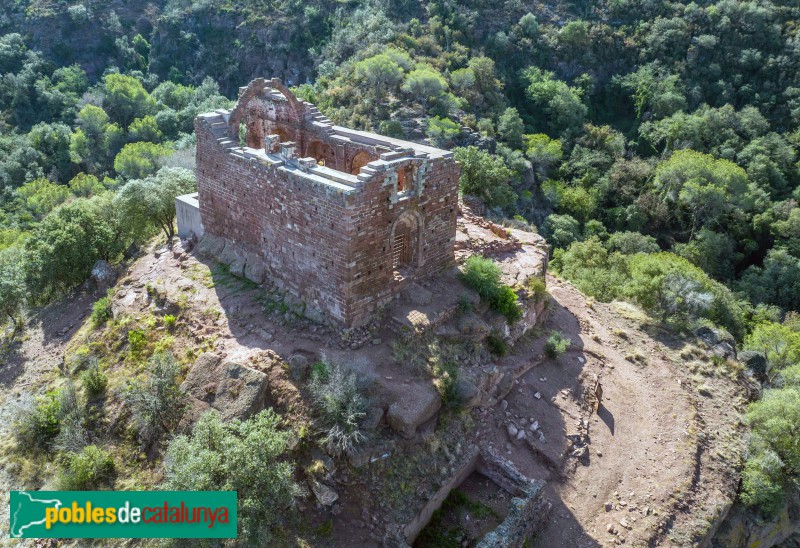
<point>235,390</point>
<point>254,269</point>
<point>756,362</point>
<point>325,495</point>
<point>299,365</point>
<point>372,418</point>
<point>413,409</point>
<point>103,275</point>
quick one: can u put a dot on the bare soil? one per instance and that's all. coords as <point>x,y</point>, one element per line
<point>655,466</point>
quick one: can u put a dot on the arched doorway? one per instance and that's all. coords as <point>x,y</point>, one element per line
<point>360,160</point>
<point>405,241</point>
<point>322,153</point>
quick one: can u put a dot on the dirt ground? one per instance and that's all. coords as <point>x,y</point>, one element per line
<point>660,458</point>
<point>655,466</point>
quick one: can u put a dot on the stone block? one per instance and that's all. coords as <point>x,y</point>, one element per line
<point>413,409</point>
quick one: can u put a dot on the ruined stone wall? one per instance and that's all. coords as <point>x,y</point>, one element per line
<point>322,205</point>
<point>431,207</point>
<point>299,229</point>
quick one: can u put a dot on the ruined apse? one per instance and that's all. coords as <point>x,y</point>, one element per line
<point>342,219</point>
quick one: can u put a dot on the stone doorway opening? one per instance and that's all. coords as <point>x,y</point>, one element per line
<point>405,240</point>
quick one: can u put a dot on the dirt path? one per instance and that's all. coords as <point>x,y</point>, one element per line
<point>641,473</point>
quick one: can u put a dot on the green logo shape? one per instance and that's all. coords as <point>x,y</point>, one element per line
<point>122,514</point>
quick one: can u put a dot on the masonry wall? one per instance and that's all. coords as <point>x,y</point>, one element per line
<point>330,244</point>
<point>435,203</point>
<point>300,229</point>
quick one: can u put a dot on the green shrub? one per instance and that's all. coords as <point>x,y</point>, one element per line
<point>446,384</point>
<point>169,321</point>
<point>156,402</point>
<point>93,379</point>
<point>243,456</point>
<point>38,422</point>
<point>496,345</point>
<point>341,404</point>
<point>464,304</point>
<point>137,340</point>
<point>536,288</point>
<point>101,312</point>
<point>87,469</point>
<point>483,275</point>
<point>557,343</point>
<point>506,304</point>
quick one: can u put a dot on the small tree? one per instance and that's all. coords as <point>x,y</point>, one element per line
<point>13,294</point>
<point>510,127</point>
<point>242,456</point>
<point>151,201</point>
<point>485,176</point>
<point>157,401</point>
<point>140,159</point>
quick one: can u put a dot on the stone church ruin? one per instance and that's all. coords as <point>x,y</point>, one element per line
<point>343,219</point>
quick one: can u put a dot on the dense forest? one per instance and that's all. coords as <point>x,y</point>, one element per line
<point>653,143</point>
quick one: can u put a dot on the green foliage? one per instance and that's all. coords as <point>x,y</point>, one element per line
<point>464,304</point>
<point>510,127</point>
<point>779,343</point>
<point>61,250</point>
<point>561,230</point>
<point>536,288</point>
<point>557,343</point>
<point>94,380</point>
<point>496,345</point>
<point>140,159</point>
<point>341,404</point>
<point>485,176</point>
<point>561,107</point>
<point>483,275</point>
<point>91,468</point>
<point>126,99</point>
<point>101,311</point>
<point>150,202</point>
<point>169,321</point>
<point>137,340</point>
<point>41,196</point>
<point>243,456</point>
<point>156,402</point>
<point>775,456</point>
<point>13,294</point>
<point>425,84</point>
<point>442,131</point>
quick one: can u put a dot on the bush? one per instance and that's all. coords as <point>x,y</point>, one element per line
<point>483,275</point>
<point>341,404</point>
<point>87,469</point>
<point>506,304</point>
<point>243,456</point>
<point>557,343</point>
<point>137,340</point>
<point>94,380</point>
<point>496,345</point>
<point>101,312</point>
<point>169,321</point>
<point>38,423</point>
<point>447,384</point>
<point>157,402</point>
<point>536,288</point>
<point>464,304</point>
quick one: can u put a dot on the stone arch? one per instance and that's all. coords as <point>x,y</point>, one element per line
<point>361,159</point>
<point>405,240</point>
<point>253,90</point>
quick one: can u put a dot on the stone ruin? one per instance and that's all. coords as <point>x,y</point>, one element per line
<point>342,219</point>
